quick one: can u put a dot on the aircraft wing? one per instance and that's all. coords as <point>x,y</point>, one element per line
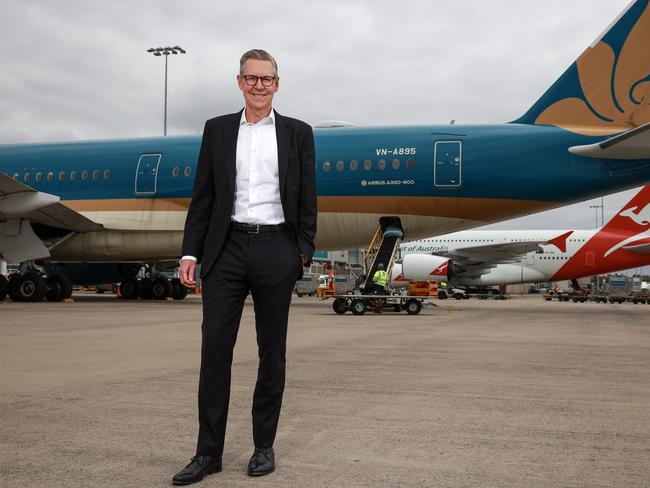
<point>490,255</point>
<point>19,201</point>
<point>631,144</point>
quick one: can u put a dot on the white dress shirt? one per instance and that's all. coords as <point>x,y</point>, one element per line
<point>257,184</point>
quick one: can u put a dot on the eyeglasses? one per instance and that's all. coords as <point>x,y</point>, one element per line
<point>251,80</point>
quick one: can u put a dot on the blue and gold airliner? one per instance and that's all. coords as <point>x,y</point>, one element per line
<point>126,200</point>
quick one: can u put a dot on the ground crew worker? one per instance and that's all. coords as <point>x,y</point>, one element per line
<point>379,279</point>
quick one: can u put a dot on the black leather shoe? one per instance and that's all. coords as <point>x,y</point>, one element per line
<point>262,462</point>
<point>197,469</point>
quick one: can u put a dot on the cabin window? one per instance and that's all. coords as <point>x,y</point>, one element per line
<point>84,175</point>
<point>396,163</point>
<point>327,166</point>
<point>340,166</point>
<point>27,177</point>
<point>61,175</point>
<point>107,174</point>
<point>354,165</point>
<point>381,164</point>
<point>187,171</point>
<point>50,176</point>
<point>38,177</point>
<point>176,171</point>
<point>410,163</point>
<point>367,165</point>
<point>95,174</point>
<point>73,175</point>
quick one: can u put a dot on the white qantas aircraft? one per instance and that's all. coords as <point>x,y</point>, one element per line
<point>496,257</point>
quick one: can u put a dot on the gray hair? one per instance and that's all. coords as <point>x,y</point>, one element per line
<point>259,54</point>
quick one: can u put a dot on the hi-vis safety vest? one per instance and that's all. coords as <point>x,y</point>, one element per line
<point>380,278</point>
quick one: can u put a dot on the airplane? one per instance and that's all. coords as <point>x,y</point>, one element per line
<point>498,257</point>
<point>122,203</point>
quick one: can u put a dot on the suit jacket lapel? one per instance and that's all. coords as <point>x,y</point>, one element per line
<point>231,132</point>
<point>282,135</point>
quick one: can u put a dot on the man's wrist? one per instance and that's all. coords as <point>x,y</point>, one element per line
<point>191,258</point>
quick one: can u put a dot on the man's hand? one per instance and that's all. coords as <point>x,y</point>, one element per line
<point>187,272</point>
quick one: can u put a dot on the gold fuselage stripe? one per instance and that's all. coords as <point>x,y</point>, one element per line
<point>485,209</point>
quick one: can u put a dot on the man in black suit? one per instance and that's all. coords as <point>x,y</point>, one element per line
<point>251,225</point>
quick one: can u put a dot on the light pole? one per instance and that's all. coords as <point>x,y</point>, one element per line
<point>602,212</point>
<point>166,51</point>
<point>596,207</point>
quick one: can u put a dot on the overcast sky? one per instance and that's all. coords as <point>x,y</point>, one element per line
<point>78,69</point>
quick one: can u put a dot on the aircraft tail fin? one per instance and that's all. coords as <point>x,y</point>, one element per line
<point>607,89</point>
<point>634,215</point>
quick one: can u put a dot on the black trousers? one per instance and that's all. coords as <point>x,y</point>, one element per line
<point>267,265</point>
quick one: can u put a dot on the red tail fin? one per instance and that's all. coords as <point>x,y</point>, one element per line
<point>610,248</point>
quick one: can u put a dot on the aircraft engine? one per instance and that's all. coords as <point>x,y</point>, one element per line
<point>397,279</point>
<point>416,267</point>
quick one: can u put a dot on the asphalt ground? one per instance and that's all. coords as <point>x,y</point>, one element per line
<point>521,393</point>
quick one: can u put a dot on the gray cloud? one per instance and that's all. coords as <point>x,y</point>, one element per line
<point>78,69</point>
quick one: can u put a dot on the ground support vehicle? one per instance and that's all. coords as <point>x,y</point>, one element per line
<point>457,293</point>
<point>307,285</point>
<point>560,297</point>
<point>488,296</point>
<point>423,289</point>
<point>598,297</point>
<point>359,304</point>
<point>581,295</point>
<point>641,296</point>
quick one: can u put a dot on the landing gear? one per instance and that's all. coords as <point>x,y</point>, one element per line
<point>130,288</point>
<point>59,288</point>
<point>161,288</point>
<point>179,291</point>
<point>146,292</point>
<point>28,287</point>
<point>4,287</point>
<point>155,286</point>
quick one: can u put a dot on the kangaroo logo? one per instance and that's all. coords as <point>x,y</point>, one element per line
<point>642,217</point>
<point>441,270</point>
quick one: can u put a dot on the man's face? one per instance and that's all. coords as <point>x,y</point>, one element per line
<point>258,97</point>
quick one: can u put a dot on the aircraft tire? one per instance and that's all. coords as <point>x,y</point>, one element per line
<point>4,287</point>
<point>59,287</point>
<point>358,307</point>
<point>340,306</point>
<point>179,291</point>
<point>130,288</point>
<point>30,287</point>
<point>413,306</point>
<point>146,292</point>
<point>161,288</point>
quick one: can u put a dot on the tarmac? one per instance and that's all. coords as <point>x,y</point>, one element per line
<point>519,393</point>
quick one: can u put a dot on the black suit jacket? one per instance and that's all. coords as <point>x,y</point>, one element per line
<point>213,196</point>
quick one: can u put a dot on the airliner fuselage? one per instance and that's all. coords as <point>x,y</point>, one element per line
<point>437,179</point>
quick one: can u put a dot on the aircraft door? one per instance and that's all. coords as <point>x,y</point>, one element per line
<point>146,174</point>
<point>447,164</point>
